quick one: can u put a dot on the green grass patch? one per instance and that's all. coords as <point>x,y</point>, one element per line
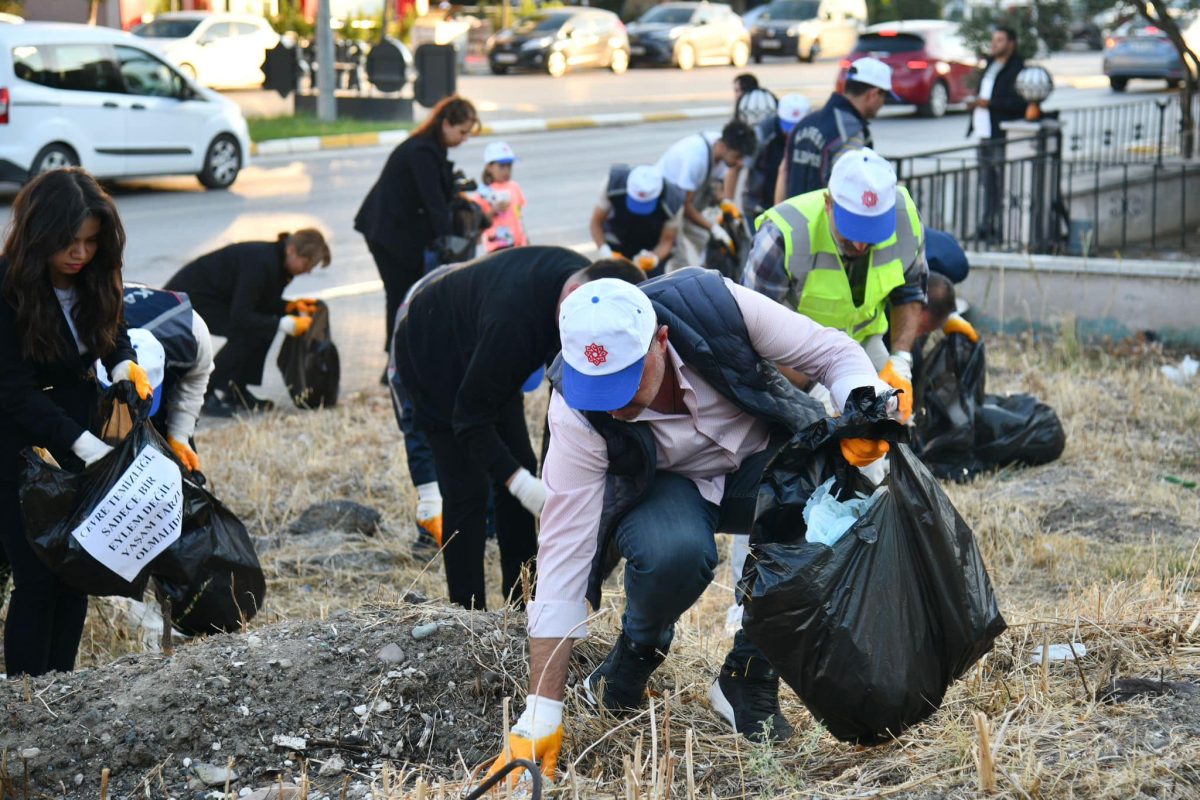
<point>265,128</point>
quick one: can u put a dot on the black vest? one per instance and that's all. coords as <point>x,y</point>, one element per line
<point>706,328</point>
<point>629,233</point>
<point>167,315</point>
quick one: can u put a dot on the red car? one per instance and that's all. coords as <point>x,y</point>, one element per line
<point>930,63</point>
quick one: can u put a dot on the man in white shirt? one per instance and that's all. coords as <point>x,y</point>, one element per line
<point>666,411</point>
<point>696,164</point>
<point>998,102</point>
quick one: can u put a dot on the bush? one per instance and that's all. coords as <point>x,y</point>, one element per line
<point>889,10</point>
<point>1049,22</point>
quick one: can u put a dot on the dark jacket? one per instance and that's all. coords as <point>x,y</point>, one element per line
<point>817,141</point>
<point>238,290</point>
<point>1005,104</point>
<point>409,205</point>
<point>46,404</point>
<point>628,233</point>
<point>471,339</point>
<point>167,315</point>
<point>760,182</point>
<point>706,328</point>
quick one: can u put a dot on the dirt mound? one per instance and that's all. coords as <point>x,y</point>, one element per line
<point>403,685</point>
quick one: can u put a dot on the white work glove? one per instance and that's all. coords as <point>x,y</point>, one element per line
<point>720,234</point>
<point>89,448</point>
<point>429,510</point>
<point>605,251</point>
<point>646,261</point>
<point>529,491</point>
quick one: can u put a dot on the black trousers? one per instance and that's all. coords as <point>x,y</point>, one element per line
<point>465,489</point>
<point>992,154</point>
<point>398,276</point>
<point>241,360</point>
<point>45,617</point>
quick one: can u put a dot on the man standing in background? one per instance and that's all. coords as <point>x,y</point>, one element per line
<point>998,102</point>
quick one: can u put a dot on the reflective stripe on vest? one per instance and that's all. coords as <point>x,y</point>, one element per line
<point>810,250</point>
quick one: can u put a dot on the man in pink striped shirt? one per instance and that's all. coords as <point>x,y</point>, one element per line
<point>667,409</point>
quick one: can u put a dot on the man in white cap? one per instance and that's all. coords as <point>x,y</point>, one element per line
<point>667,408</point>
<point>638,217</point>
<point>772,133</point>
<point>840,126</point>
<point>846,257</point>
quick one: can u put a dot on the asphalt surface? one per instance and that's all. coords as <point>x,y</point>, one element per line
<point>169,221</point>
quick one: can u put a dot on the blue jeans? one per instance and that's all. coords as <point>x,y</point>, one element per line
<point>416,443</point>
<point>669,544</point>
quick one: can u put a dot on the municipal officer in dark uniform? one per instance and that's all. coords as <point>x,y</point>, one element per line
<point>638,217</point>
<point>188,349</point>
<point>238,290</point>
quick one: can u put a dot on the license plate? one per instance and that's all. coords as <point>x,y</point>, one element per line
<point>770,44</point>
<point>637,50</point>
<point>506,58</point>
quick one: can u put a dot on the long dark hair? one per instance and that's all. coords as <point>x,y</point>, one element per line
<point>454,110</point>
<point>46,215</point>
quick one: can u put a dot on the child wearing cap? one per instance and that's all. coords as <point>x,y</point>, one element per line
<point>773,133</point>
<point>504,199</point>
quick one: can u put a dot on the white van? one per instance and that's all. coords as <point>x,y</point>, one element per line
<point>74,95</point>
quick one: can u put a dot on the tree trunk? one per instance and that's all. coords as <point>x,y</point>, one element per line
<point>1191,82</point>
<point>93,11</point>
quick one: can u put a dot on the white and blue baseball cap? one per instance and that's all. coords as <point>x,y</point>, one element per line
<point>150,356</point>
<point>792,108</point>
<point>863,187</point>
<point>606,328</point>
<point>872,72</point>
<point>643,187</point>
<point>498,153</point>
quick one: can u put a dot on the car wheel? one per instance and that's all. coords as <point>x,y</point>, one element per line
<point>556,64</point>
<point>52,157</point>
<point>1118,84</point>
<point>685,57</point>
<point>814,50</point>
<point>222,163</point>
<point>739,54</point>
<point>498,69</point>
<point>935,106</point>
<point>619,61</point>
<point>188,71</point>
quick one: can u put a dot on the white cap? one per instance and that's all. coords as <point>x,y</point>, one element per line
<point>863,187</point>
<point>499,153</point>
<point>872,72</point>
<point>792,108</point>
<point>642,189</point>
<point>606,328</point>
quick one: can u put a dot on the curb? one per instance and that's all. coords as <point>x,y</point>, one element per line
<point>342,141</point>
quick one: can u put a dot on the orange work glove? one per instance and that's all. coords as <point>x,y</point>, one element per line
<point>295,326</point>
<point>956,324</point>
<point>185,454</point>
<point>305,305</point>
<point>429,510</point>
<point>132,372</point>
<point>646,261</point>
<point>537,736</point>
<point>863,452</point>
<point>730,208</point>
<point>897,373</point>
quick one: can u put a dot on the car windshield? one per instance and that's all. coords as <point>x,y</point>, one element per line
<point>167,28</point>
<point>792,9</point>
<point>889,42</point>
<point>670,15</point>
<point>541,23</point>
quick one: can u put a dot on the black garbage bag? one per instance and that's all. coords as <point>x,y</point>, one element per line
<point>870,632</point>
<point>56,501</point>
<point>310,364</point>
<point>960,431</point>
<point>725,259</point>
<point>211,575</point>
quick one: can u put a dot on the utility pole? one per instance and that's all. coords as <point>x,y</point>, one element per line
<point>326,101</point>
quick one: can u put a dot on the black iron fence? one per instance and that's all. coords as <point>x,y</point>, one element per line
<point>1127,133</point>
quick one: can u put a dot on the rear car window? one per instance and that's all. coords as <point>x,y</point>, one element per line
<point>167,28</point>
<point>889,43</point>
<point>77,67</point>
<point>31,63</point>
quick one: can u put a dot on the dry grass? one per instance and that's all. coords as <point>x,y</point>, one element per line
<point>1095,548</point>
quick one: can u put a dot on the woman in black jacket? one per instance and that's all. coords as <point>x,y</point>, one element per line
<point>409,206</point>
<point>238,291</point>
<point>60,309</point>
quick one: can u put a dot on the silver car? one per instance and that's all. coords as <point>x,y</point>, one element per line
<point>1140,50</point>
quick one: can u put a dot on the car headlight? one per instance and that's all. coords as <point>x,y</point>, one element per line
<point>538,44</point>
<point>793,31</point>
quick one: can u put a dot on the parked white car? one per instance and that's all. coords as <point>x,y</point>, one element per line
<point>74,95</point>
<point>222,51</point>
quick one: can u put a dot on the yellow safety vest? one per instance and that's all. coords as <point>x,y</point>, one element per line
<point>810,249</point>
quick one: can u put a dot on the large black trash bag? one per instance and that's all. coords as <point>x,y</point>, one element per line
<point>310,364</point>
<point>960,431</point>
<point>725,259</point>
<point>211,575</point>
<point>870,632</point>
<point>55,501</point>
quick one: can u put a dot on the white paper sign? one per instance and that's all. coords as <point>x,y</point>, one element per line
<point>139,517</point>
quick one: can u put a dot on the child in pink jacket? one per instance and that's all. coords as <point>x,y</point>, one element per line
<point>504,198</point>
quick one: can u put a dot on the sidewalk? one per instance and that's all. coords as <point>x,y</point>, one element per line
<point>312,144</point>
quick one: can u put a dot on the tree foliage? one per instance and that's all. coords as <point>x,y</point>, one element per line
<point>889,10</point>
<point>1048,22</point>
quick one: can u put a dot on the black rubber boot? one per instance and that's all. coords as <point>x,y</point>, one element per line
<point>749,701</point>
<point>620,682</point>
<point>241,397</point>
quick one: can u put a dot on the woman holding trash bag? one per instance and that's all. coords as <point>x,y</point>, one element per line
<point>408,208</point>
<point>60,309</point>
